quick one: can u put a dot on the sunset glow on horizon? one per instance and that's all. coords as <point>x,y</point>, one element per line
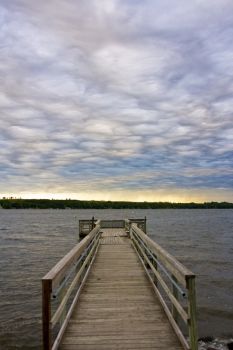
<point>172,195</point>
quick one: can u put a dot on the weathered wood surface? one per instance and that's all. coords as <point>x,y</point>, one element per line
<point>118,308</point>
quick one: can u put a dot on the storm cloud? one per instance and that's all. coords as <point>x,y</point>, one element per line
<point>113,99</point>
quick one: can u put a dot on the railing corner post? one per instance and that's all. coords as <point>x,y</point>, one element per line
<point>193,337</point>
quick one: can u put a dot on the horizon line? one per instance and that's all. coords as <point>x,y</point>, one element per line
<point>112,201</point>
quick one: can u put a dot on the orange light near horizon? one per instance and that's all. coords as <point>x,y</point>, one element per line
<point>153,195</point>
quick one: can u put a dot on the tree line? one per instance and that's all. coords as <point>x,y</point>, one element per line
<point>13,203</point>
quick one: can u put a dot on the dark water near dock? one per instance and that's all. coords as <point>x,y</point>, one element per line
<point>32,241</point>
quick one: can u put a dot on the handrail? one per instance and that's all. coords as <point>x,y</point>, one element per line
<point>66,277</point>
<point>155,260</point>
<point>141,223</point>
<point>56,274</point>
<point>153,257</point>
<point>86,226</point>
<point>171,263</point>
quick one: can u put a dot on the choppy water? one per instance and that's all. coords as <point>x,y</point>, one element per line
<point>32,241</point>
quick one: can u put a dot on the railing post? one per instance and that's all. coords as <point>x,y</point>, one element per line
<point>175,294</point>
<point>145,225</point>
<point>93,222</point>
<point>192,323</point>
<point>154,262</point>
<point>130,230</point>
<point>127,226</point>
<point>46,313</point>
<point>79,231</point>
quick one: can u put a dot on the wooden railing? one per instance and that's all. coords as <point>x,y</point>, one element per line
<point>172,282</point>
<point>112,223</point>
<point>141,223</point>
<point>85,226</point>
<point>62,285</point>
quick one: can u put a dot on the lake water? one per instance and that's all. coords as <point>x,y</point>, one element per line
<point>32,241</point>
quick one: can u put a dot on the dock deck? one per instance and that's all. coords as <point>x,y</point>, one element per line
<point>116,306</point>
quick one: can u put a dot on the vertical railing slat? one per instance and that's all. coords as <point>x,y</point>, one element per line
<point>175,293</point>
<point>145,230</point>
<point>154,262</point>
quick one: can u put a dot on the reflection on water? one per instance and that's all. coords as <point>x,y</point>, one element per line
<point>32,241</point>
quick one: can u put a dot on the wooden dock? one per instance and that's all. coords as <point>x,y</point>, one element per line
<point>108,293</point>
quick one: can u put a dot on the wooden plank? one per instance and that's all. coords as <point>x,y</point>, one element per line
<point>105,224</point>
<point>119,321</point>
<point>164,341</point>
<point>95,314</point>
<point>112,346</point>
<point>149,308</point>
<point>145,330</point>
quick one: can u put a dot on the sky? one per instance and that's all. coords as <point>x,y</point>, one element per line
<point>117,99</point>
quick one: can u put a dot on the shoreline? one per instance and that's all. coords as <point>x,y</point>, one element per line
<point>17,203</point>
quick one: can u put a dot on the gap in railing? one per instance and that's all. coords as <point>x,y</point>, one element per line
<point>181,299</point>
<point>56,300</point>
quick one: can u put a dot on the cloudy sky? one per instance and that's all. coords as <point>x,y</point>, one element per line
<point>117,99</point>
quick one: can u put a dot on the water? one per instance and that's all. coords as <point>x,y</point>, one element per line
<point>32,241</point>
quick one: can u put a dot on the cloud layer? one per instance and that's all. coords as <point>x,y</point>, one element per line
<point>112,97</point>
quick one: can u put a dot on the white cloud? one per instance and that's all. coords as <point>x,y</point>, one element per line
<point>91,91</point>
